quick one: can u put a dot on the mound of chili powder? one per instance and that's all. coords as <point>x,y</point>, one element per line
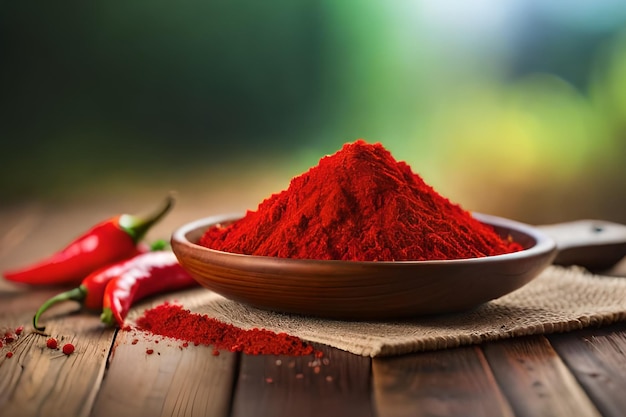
<point>359,204</point>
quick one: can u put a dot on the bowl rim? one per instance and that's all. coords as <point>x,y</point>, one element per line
<point>544,244</point>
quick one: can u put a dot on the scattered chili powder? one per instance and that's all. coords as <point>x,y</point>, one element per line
<point>359,204</point>
<point>173,321</point>
<point>68,348</point>
<point>52,343</point>
<point>9,337</point>
<point>149,351</point>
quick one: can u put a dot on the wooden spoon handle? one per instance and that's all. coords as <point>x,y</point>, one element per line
<point>594,244</point>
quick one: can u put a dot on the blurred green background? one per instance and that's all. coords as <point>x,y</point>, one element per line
<point>515,108</point>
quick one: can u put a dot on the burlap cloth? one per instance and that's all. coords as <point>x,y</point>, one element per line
<point>558,300</point>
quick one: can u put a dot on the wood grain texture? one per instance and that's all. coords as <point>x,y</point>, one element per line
<point>151,375</point>
<point>535,380</point>
<point>336,385</point>
<point>176,381</point>
<point>454,382</point>
<point>597,357</point>
<point>154,376</point>
<point>18,225</point>
<point>38,381</point>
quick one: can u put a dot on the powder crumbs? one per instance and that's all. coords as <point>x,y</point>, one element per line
<point>68,348</point>
<point>10,337</point>
<point>173,321</point>
<point>52,343</point>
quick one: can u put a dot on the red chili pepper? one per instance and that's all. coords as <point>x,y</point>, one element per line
<point>91,290</point>
<point>151,273</point>
<point>110,241</point>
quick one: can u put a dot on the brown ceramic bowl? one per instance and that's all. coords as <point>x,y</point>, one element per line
<point>363,290</point>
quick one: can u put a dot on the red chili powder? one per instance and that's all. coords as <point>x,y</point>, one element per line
<point>68,348</point>
<point>359,204</point>
<point>52,343</point>
<point>173,321</point>
<point>9,354</point>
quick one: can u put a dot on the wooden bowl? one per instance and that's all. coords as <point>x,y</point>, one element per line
<point>363,290</point>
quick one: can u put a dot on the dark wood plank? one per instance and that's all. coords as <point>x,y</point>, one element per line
<point>535,380</point>
<point>454,382</point>
<point>597,357</point>
<point>18,226</point>
<point>152,376</point>
<point>39,381</point>
<point>18,304</point>
<point>338,384</point>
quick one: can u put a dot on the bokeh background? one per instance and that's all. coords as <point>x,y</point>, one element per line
<point>515,108</point>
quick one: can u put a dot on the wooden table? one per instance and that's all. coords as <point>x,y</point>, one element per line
<point>581,373</point>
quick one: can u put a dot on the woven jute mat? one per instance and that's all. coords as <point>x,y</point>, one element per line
<point>558,300</point>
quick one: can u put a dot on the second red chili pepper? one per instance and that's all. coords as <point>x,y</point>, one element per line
<point>151,273</point>
<point>110,241</point>
<point>90,292</point>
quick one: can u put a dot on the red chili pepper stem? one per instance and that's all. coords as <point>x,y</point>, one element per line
<point>76,294</point>
<point>159,244</point>
<point>138,226</point>
<point>107,317</point>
